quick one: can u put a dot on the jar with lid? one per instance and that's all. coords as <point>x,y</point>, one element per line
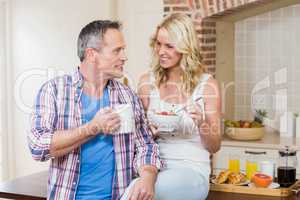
<point>252,160</point>
<point>287,164</point>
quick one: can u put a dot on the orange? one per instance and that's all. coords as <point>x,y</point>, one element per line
<point>261,180</point>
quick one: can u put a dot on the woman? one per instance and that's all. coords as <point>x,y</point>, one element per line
<point>177,82</point>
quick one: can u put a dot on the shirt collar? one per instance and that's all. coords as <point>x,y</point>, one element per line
<point>77,80</point>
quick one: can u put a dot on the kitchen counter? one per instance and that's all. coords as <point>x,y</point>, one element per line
<point>271,140</point>
<point>31,187</point>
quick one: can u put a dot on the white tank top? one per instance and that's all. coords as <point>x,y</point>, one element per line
<point>184,144</point>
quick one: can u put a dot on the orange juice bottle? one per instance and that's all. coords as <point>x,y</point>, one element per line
<point>251,168</point>
<point>234,163</point>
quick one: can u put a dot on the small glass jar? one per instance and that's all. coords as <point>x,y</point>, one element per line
<point>252,160</point>
<point>287,164</point>
<point>267,166</point>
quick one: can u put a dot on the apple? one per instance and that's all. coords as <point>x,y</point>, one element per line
<point>246,124</point>
<point>241,122</point>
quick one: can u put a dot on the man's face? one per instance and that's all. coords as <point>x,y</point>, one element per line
<point>111,57</point>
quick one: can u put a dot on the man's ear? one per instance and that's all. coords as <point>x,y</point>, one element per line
<point>89,55</point>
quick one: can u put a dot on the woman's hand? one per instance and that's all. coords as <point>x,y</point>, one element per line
<point>209,129</point>
<point>195,112</point>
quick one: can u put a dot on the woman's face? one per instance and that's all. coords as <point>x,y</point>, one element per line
<point>168,56</point>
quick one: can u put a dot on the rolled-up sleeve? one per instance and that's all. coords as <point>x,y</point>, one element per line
<point>43,120</point>
<point>147,152</point>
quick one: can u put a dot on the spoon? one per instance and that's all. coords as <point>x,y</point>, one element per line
<point>197,101</point>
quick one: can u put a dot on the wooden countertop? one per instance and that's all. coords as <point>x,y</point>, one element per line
<point>33,187</point>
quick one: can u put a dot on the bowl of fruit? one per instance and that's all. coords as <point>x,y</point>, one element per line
<point>244,130</point>
<point>166,121</point>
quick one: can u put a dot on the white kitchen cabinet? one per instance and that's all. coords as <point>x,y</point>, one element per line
<point>221,158</point>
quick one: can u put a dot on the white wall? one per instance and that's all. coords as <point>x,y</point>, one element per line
<point>6,97</point>
<point>44,35</point>
<point>140,19</point>
<point>2,64</point>
<point>43,42</point>
<point>266,64</point>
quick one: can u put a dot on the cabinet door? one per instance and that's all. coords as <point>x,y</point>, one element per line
<point>140,19</point>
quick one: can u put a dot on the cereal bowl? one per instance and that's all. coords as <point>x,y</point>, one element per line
<point>166,121</point>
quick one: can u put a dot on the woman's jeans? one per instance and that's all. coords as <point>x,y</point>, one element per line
<point>178,184</point>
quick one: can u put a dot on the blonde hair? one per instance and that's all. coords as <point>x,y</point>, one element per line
<point>182,33</point>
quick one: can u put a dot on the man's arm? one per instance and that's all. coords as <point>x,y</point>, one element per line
<point>144,186</point>
<point>147,161</point>
<point>63,142</point>
<point>46,142</point>
<point>43,121</point>
<point>146,149</point>
<point>148,172</point>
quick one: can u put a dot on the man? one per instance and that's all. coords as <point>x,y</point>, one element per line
<point>74,126</point>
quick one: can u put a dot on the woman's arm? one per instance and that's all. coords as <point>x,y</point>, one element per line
<point>210,127</point>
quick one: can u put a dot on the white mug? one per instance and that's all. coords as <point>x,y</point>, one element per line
<point>126,114</point>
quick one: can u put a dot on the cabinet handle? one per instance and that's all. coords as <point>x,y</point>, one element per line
<point>256,152</point>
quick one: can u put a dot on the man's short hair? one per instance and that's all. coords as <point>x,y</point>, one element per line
<point>92,34</point>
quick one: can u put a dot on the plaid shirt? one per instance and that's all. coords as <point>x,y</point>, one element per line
<point>58,107</point>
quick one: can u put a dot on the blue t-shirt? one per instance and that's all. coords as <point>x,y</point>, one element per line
<point>97,156</point>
